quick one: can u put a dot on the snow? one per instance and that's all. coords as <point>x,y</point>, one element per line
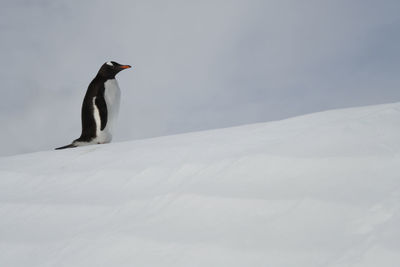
<point>316,190</point>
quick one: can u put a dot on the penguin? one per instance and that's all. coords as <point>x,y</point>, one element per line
<point>100,107</point>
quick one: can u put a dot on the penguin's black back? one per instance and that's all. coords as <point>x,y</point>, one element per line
<point>96,89</point>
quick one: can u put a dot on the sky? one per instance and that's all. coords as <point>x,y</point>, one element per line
<point>197,65</point>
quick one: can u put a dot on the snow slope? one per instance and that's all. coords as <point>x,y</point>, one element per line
<point>316,190</point>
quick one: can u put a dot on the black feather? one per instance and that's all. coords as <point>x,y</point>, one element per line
<point>67,146</point>
<point>100,103</point>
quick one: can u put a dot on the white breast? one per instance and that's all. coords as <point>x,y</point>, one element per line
<point>112,95</point>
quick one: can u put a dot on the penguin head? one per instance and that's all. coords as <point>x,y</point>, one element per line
<point>111,68</point>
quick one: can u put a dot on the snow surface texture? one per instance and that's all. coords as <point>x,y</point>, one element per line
<point>316,190</point>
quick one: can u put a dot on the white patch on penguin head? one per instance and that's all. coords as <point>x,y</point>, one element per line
<point>109,63</point>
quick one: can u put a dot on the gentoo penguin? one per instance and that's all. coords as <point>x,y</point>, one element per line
<point>100,107</point>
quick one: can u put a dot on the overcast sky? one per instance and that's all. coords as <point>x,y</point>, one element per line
<point>197,64</point>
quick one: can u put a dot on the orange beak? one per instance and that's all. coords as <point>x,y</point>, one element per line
<point>125,67</point>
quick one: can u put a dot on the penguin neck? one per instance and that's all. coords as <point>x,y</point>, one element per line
<point>103,77</point>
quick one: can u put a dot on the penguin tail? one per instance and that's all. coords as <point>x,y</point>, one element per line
<point>67,146</point>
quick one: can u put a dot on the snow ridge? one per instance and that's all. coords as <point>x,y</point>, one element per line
<point>316,190</point>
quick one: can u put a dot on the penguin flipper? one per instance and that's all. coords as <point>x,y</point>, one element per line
<point>101,105</point>
<point>67,146</point>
